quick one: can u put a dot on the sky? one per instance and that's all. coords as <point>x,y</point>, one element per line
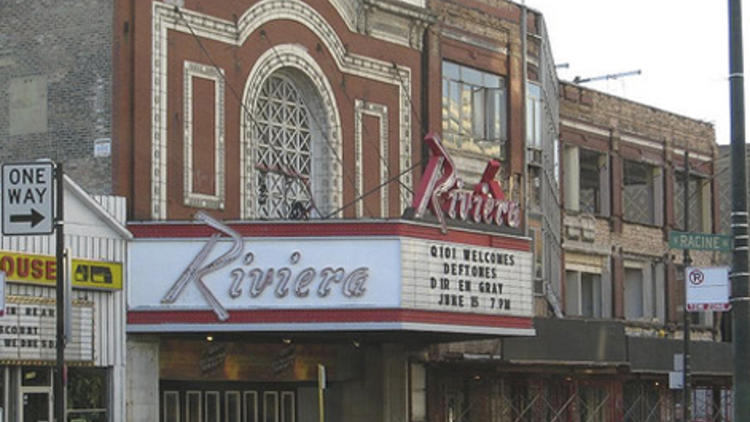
<point>680,46</point>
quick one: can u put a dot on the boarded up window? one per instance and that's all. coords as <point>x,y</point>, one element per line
<point>27,105</point>
<point>698,203</point>
<point>639,192</point>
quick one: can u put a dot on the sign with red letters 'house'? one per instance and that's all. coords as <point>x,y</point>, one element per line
<point>442,192</point>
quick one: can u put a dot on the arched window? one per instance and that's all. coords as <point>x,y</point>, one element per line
<point>288,136</point>
<point>291,141</point>
<point>283,153</point>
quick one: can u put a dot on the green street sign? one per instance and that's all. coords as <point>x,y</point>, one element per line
<point>700,241</point>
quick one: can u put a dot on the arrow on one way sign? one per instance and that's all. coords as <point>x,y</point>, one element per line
<point>34,218</point>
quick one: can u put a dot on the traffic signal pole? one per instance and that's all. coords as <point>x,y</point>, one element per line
<point>739,275</point>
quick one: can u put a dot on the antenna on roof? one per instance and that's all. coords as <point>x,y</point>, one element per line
<point>580,80</point>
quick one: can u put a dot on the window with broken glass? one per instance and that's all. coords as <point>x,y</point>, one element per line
<point>698,203</point>
<point>639,193</point>
<point>474,109</point>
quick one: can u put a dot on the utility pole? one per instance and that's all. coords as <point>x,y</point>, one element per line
<point>739,275</point>
<point>686,262</point>
<point>59,390</point>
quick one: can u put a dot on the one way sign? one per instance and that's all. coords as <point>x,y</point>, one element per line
<point>28,205</point>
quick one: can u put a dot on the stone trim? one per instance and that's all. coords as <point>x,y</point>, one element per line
<point>632,139</point>
<point>380,111</point>
<point>195,199</point>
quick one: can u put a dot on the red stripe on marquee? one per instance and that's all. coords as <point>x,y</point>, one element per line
<point>329,316</point>
<point>352,229</point>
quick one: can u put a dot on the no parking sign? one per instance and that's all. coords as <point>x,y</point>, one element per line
<point>707,288</point>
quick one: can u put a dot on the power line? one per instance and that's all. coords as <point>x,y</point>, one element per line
<point>383,160</point>
<point>375,189</point>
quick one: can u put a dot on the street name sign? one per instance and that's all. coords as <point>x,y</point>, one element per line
<point>700,241</point>
<point>28,198</point>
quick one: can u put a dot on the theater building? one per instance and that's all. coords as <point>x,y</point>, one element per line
<point>95,237</point>
<point>292,222</point>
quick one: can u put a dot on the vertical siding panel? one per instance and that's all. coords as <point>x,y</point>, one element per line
<point>113,343</point>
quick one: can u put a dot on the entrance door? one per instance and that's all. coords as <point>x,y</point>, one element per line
<point>35,398</point>
<point>36,407</point>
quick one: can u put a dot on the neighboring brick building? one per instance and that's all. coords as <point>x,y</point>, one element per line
<point>55,85</point>
<point>623,189</point>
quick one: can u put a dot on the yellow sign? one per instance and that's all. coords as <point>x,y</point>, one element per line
<point>42,269</point>
<point>97,274</point>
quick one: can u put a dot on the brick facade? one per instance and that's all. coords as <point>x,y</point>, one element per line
<point>629,117</point>
<point>624,131</point>
<point>369,100</point>
<point>55,85</point>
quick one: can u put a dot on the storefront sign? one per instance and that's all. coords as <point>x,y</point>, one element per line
<point>41,269</point>
<point>442,192</point>
<point>27,332</point>
<point>462,278</point>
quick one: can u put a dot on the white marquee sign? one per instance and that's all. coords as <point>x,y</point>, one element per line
<point>327,273</point>
<point>28,332</point>
<point>444,276</point>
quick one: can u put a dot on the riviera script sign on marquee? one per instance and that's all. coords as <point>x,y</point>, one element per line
<point>442,192</point>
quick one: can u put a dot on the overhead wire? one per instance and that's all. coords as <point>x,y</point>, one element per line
<point>384,160</point>
<point>375,189</point>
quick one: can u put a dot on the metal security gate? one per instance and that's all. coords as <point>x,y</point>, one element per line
<point>516,398</point>
<point>560,400</point>
<point>712,404</point>
<point>643,402</point>
<point>533,400</point>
